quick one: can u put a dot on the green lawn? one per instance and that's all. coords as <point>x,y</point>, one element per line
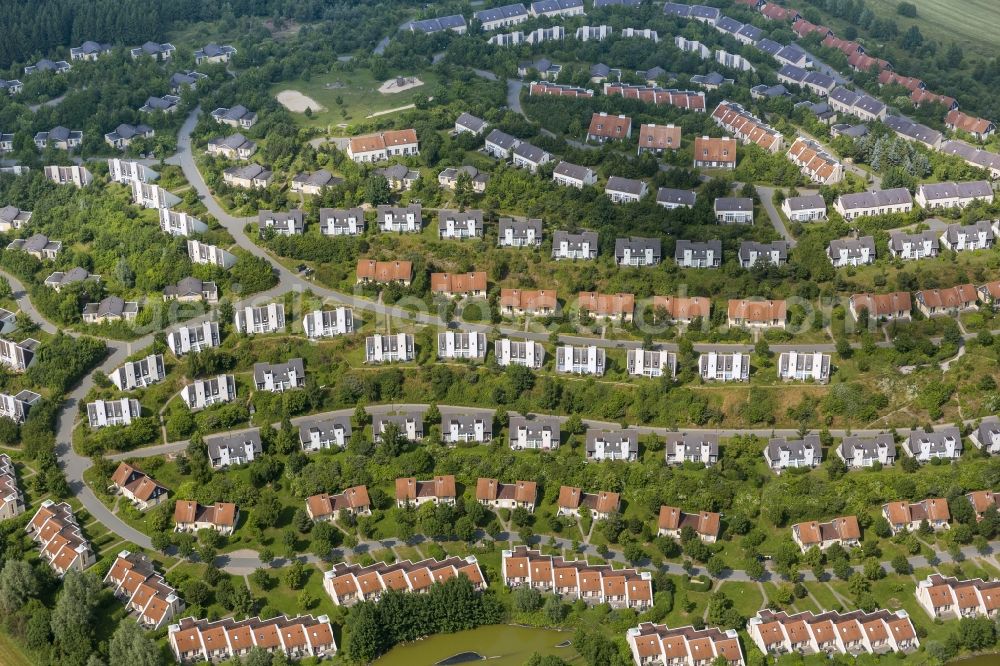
<point>10,653</point>
<point>973,24</point>
<point>358,94</point>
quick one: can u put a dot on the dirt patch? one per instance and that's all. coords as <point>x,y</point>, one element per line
<point>399,84</point>
<point>296,102</point>
<point>388,111</point>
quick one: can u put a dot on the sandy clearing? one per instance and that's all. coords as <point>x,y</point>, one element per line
<point>296,102</point>
<point>387,111</point>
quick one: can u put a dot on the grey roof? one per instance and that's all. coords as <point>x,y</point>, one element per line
<point>576,172</point>
<point>637,244</point>
<point>897,238</point>
<point>796,448</point>
<point>699,250</point>
<point>279,370</point>
<point>600,69</point>
<point>806,202</point>
<point>325,425</point>
<point>967,189</point>
<point>768,46</point>
<point>820,79</point>
<point>751,32</point>
<point>627,185</point>
<point>853,131</point>
<point>399,419</point>
<point>676,9</point>
<point>112,306</point>
<point>466,422</point>
<point>733,204</point>
<point>692,443</point>
<point>681,197</point>
<point>60,278</point>
<point>35,243</point>
<point>292,220</point>
<point>727,24</point>
<point>161,103</point>
<point>791,52</point>
<point>185,79</point>
<point>126,131</point>
<point>916,131</point>
<point>970,153</point>
<point>340,216</point>
<point>792,72</point>
<point>472,122</point>
<point>520,227</point>
<point>534,425</point>
<point>955,230</point>
<point>498,13</point>
<point>152,48</point>
<point>710,79</point>
<point>616,3</point>
<point>936,439</point>
<point>321,178</point>
<point>701,11</point>
<point>542,6</point>
<point>212,50</point>
<point>234,441</point>
<point>249,172</point>
<point>876,198</point>
<point>529,152</point>
<point>233,141</point>
<point>59,133</point>
<point>575,241</point>
<point>90,47</point>
<point>869,445</point>
<point>438,24</point>
<point>189,286</point>
<point>237,113</point>
<point>803,363</point>
<point>614,440</point>
<point>502,139</point>
<point>770,91</point>
<point>460,217</point>
<point>853,246</point>
<point>987,430</point>
<point>746,247</point>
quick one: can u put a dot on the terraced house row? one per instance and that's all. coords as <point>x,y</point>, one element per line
<point>11,498</point>
<point>194,640</point>
<point>852,633</point>
<point>145,594</point>
<point>62,545</point>
<point>657,644</point>
<point>577,579</point>
<point>348,584</point>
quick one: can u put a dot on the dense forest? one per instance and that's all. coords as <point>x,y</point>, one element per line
<point>34,29</point>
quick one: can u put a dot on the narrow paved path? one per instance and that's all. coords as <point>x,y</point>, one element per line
<point>766,195</point>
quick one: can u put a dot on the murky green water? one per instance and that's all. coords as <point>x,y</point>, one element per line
<point>511,645</point>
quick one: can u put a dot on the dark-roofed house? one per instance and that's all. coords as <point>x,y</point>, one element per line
<point>911,131</point>
<point>612,444</point>
<point>987,436</point>
<point>328,323</point>
<point>782,453</point>
<point>139,374</point>
<point>237,116</point>
<point>460,224</point>
<point>341,222</point>
<point>250,176</point>
<point>467,122</point>
<point>112,308</point>
<point>279,377</point>
<point>975,156</point>
<point>324,432</point>
<point>800,366</point>
<point>46,65</point>
<point>234,147</point>
<point>917,245</point>
<point>181,80</point>
<point>807,208</point>
<point>313,183</point>
<point>573,175</point>
<point>695,254</point>
<point>976,236</point>
<point>193,338</point>
<point>104,413</point>
<point>460,426</point>
<point>213,52</point>
<point>734,210</point>
<point>153,50</point>
<point>752,252</point>
<point>520,233</point>
<point>945,443</point>
<point>582,245</point>
<point>953,195</point>
<point>530,157</point>
<point>724,367</point>
<point>685,447</point>
<point>449,178</point>
<point>191,289</point>
<point>60,279</point>
<point>121,137</point>
<point>671,198</point>
<point>37,245</point>
<point>454,22</point>
<point>501,17</point>
<point>207,392</point>
<point>234,448</point>
<point>625,190</point>
<point>453,344</point>
<point>17,356</point>
<point>59,138</point>
<point>852,251</point>
<point>165,104</point>
<point>289,223</point>
<point>500,144</point>
<point>860,452</point>
<point>533,432</point>
<point>13,218</point>
<point>637,251</point>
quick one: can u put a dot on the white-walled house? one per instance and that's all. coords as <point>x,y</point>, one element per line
<point>516,352</point>
<point>580,360</point>
<point>781,453</point>
<point>945,443</point>
<point>724,367</point>
<point>204,393</point>
<point>612,444</point>
<point>454,344</point>
<point>796,365</point>
<point>253,320</point>
<point>533,432</point>
<point>646,363</point>
<point>328,323</point>
<point>862,452</point>
<point>389,348</point>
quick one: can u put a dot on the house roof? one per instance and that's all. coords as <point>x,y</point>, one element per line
<point>384,271</point>
<point>683,308</point>
<point>607,304</point>
<point>966,123</point>
<point>609,126</point>
<point>882,304</point>
<point>533,299</point>
<point>757,311</point>
<point>463,283</point>
<point>712,149</point>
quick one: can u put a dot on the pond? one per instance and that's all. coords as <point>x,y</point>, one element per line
<point>511,646</point>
